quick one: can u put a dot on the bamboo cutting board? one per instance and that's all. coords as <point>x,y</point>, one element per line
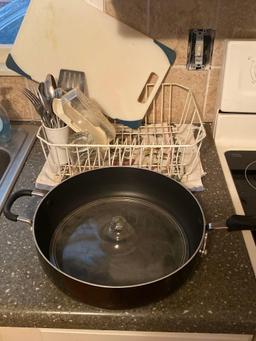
<point>117,59</point>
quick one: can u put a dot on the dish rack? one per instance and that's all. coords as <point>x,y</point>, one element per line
<point>168,141</point>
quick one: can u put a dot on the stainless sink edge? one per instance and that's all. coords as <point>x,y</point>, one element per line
<point>18,159</point>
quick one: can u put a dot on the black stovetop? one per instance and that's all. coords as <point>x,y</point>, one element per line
<point>242,165</point>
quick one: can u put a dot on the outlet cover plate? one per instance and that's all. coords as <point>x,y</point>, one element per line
<point>200,48</point>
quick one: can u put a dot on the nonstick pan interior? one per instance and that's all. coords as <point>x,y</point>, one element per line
<point>119,241</point>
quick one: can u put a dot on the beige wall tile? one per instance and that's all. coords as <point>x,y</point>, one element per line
<point>131,12</point>
<point>212,93</point>
<point>174,98</point>
<point>218,52</point>
<point>171,105</point>
<point>11,97</point>
<point>196,81</point>
<point>170,22</point>
<point>236,19</point>
<point>167,105</point>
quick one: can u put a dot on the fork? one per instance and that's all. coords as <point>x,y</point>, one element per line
<point>37,105</point>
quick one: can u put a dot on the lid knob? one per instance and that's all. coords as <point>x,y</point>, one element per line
<point>119,229</point>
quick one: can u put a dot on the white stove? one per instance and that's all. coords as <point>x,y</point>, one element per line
<point>235,130</point>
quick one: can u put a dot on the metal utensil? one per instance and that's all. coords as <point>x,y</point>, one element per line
<point>49,86</point>
<point>52,80</point>
<point>44,104</point>
<point>47,103</point>
<point>58,93</point>
<point>70,79</point>
<point>41,89</point>
<point>39,107</point>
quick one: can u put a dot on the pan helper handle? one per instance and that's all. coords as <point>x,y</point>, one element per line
<point>12,198</point>
<point>241,222</point>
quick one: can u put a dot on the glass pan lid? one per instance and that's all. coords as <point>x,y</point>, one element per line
<point>118,241</point>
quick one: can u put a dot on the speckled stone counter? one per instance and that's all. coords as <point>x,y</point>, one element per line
<point>218,297</point>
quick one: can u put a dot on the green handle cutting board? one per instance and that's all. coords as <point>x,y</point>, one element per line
<point>117,59</point>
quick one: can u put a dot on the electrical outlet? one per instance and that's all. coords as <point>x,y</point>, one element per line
<point>200,48</point>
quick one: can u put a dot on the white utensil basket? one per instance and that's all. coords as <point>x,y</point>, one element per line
<point>168,142</point>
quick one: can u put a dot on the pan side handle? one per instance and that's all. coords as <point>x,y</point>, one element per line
<point>12,198</point>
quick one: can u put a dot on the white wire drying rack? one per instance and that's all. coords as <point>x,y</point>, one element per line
<point>168,142</point>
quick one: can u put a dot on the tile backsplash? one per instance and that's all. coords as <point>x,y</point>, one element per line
<point>168,21</point>
<point>12,98</point>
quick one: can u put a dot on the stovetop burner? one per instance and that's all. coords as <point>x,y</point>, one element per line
<point>250,175</point>
<point>242,165</point>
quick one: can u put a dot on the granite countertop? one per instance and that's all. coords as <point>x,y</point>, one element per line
<point>218,297</point>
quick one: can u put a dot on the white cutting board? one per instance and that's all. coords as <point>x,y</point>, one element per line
<point>117,60</point>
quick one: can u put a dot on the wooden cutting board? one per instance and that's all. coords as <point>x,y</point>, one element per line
<point>116,59</point>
